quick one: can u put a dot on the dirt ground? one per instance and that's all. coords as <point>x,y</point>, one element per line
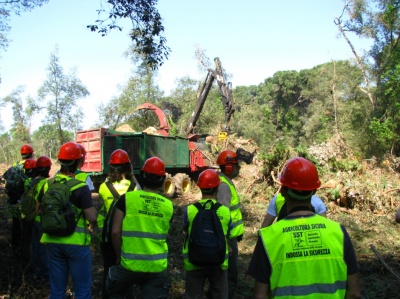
<point>371,226</point>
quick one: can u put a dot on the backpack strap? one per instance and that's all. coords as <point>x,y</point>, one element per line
<point>114,192</point>
<point>105,233</point>
<point>214,206</point>
<point>41,193</point>
<point>72,184</point>
<point>35,181</point>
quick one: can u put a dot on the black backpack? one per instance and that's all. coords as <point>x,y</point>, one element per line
<point>207,241</point>
<point>15,178</point>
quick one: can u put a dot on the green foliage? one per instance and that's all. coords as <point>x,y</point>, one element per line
<point>274,160</point>
<point>59,94</point>
<point>8,146</point>
<point>343,165</point>
<point>301,151</point>
<point>20,129</point>
<point>334,194</point>
<point>381,137</point>
<point>46,141</point>
<point>382,131</point>
<point>147,32</point>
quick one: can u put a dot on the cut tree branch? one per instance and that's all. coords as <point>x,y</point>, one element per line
<point>383,262</point>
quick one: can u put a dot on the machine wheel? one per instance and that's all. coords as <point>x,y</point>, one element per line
<point>169,186</point>
<point>183,183</point>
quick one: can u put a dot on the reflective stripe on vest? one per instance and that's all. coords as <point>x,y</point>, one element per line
<point>236,213</point>
<point>224,216</point>
<point>144,231</point>
<point>307,258</point>
<point>81,235</point>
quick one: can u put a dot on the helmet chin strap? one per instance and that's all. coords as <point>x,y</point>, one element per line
<point>297,196</point>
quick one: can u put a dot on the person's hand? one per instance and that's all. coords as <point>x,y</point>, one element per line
<point>230,250</point>
<point>118,260</point>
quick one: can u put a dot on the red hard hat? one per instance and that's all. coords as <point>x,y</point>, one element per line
<point>26,149</point>
<point>208,179</point>
<point>43,161</point>
<point>119,156</point>
<point>82,148</point>
<point>30,164</point>
<point>154,165</point>
<point>300,174</point>
<point>69,151</point>
<point>227,157</point>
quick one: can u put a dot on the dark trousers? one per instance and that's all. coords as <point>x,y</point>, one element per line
<point>233,267</point>
<point>109,260</point>
<point>120,281</point>
<point>16,231</point>
<point>26,240</point>
<point>196,281</point>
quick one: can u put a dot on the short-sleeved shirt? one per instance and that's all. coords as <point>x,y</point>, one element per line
<point>260,267</point>
<point>82,198</point>
<point>316,202</point>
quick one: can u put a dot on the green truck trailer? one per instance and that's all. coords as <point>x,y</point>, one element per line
<point>183,160</point>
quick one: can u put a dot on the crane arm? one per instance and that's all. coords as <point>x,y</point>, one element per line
<point>226,97</point>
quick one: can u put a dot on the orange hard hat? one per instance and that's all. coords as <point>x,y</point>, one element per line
<point>154,165</point>
<point>26,149</point>
<point>43,161</point>
<point>119,156</point>
<point>70,151</point>
<point>300,174</point>
<point>208,179</point>
<point>227,157</point>
<point>30,164</point>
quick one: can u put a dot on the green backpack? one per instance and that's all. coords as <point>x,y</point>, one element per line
<point>58,216</point>
<point>28,201</point>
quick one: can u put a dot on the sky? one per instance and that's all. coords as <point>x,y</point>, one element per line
<point>253,39</point>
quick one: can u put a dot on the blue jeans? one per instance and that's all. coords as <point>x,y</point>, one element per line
<point>39,255</point>
<point>64,259</point>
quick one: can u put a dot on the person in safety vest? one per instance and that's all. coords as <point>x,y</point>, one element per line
<point>196,275</point>
<point>119,181</point>
<point>27,226</point>
<point>40,269</point>
<point>278,209</point>
<point>227,195</point>
<point>71,254</point>
<point>141,223</point>
<point>303,255</point>
<point>81,175</point>
<point>14,196</point>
